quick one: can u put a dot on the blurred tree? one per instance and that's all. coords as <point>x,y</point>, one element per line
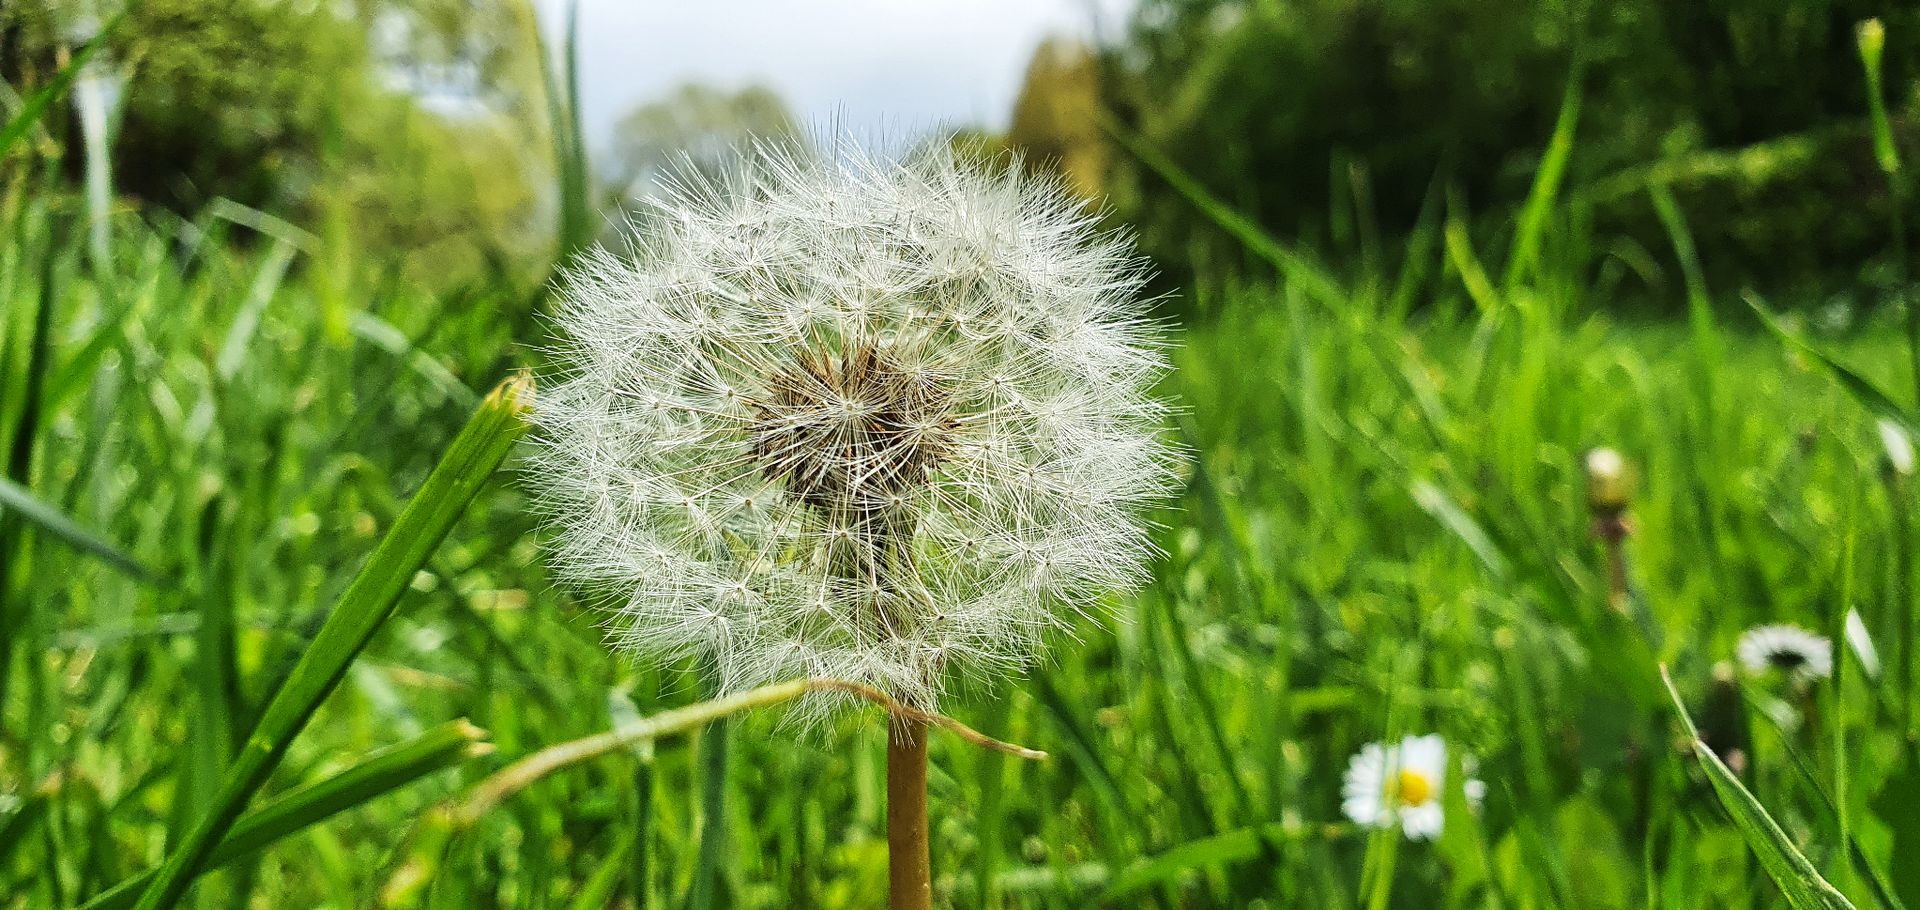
<point>1275,106</point>
<point>1056,120</point>
<point>693,125</point>
<point>394,121</point>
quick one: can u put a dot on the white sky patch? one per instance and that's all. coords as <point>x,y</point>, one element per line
<point>877,69</point>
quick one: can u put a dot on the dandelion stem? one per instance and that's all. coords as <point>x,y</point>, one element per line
<point>909,867</point>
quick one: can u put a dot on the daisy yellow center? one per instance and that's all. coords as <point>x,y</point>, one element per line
<point>1411,788</point>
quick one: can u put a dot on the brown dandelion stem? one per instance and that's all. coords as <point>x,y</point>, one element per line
<point>1611,528</point>
<point>909,864</point>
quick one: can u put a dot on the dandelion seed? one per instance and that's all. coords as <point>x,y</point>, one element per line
<point>1786,649</point>
<point>1402,785</point>
<point>889,422</point>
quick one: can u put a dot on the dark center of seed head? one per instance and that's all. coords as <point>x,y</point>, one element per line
<point>851,432</point>
<point>1787,660</point>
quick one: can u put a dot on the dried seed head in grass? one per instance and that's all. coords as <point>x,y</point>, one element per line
<point>886,422</point>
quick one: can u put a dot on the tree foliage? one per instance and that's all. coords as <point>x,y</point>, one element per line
<point>395,121</point>
<point>1295,111</point>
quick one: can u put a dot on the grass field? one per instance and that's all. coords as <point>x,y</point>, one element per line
<point>1386,533</point>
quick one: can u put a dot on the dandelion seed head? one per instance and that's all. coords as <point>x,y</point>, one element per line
<point>890,422</point>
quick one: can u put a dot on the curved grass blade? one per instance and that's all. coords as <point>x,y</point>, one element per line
<point>389,338</point>
<point>1784,863</point>
<point>1877,402</point>
<point>1295,267</point>
<point>22,501</point>
<point>379,773</point>
<point>361,611</point>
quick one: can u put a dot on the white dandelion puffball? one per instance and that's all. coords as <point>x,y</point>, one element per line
<point>1402,785</point>
<point>1789,649</point>
<point>886,422</point>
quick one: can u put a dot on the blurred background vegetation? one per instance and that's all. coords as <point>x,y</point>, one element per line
<point>1337,125</point>
<point>261,257</point>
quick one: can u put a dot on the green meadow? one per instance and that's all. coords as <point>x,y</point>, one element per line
<point>277,626</point>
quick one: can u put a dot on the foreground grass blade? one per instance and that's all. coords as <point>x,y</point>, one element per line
<point>22,501</point>
<point>1784,862</point>
<point>379,773</point>
<point>37,106</point>
<point>366,605</point>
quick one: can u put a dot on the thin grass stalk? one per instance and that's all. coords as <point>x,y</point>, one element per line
<point>14,542</point>
<point>639,869</point>
<point>92,101</point>
<point>704,893</point>
<point>909,862</point>
<point>1899,502</point>
<point>1870,39</point>
<point>1836,699</point>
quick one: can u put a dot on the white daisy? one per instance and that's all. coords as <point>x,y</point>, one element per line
<point>1788,649</point>
<point>1402,785</point>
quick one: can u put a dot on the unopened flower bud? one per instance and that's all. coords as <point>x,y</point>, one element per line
<point>1607,482</point>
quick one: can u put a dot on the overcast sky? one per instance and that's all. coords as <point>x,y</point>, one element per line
<point>881,69</point>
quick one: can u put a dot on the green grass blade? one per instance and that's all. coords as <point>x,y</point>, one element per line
<point>1783,862</point>
<point>1435,502</point>
<point>1868,395</point>
<point>379,773</point>
<point>233,351</point>
<point>1473,275</point>
<point>1205,704</point>
<point>36,106</point>
<point>389,338</point>
<point>1706,332</point>
<point>1257,241</point>
<point>23,503</point>
<point>1238,845</point>
<point>361,611</point>
<point>562,81</point>
<point>1546,182</point>
<point>1083,749</point>
<point>710,856</point>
